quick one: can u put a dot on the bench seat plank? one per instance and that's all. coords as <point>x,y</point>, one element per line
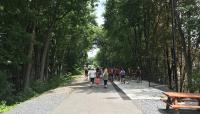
<point>184,106</point>
<point>183,95</point>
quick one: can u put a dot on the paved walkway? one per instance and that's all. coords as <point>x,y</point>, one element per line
<point>140,90</point>
<point>79,98</point>
<point>95,100</point>
<point>147,98</point>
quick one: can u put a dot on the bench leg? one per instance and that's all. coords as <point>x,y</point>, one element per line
<point>168,102</point>
<point>199,104</point>
<point>199,101</point>
<point>177,111</point>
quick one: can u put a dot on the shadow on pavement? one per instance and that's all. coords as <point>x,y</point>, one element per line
<point>76,84</point>
<point>144,104</point>
<point>84,87</point>
<point>121,92</point>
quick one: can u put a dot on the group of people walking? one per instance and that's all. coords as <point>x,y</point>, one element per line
<point>96,74</point>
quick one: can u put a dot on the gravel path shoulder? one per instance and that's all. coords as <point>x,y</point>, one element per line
<point>43,103</point>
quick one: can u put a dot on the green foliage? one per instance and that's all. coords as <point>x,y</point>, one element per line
<point>195,85</point>
<point>41,41</point>
<point>138,33</point>
<point>13,45</point>
<point>77,70</point>
<point>40,87</point>
<point>4,107</point>
<point>37,88</point>
<point>25,95</point>
<point>40,38</point>
<point>5,88</point>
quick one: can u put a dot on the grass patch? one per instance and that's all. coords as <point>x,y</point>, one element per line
<point>36,89</point>
<point>4,107</point>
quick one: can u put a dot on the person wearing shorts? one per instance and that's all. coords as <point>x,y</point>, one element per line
<point>92,75</point>
<point>122,74</point>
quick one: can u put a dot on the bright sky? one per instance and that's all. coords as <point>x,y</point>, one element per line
<point>100,20</point>
<point>92,52</point>
<point>99,12</point>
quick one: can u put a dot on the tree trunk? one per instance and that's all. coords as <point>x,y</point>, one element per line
<point>44,54</point>
<point>189,59</point>
<point>37,62</point>
<point>169,68</point>
<point>30,55</point>
<point>174,66</point>
<point>187,54</point>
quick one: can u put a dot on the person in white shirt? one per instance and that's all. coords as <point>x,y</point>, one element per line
<point>122,74</point>
<point>92,75</point>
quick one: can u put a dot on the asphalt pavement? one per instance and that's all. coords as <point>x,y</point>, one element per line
<point>96,100</point>
<point>80,98</point>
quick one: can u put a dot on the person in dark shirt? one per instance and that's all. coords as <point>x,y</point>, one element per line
<point>138,75</point>
<point>122,74</point>
<point>86,71</point>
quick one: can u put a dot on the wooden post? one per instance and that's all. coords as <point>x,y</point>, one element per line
<point>199,104</point>
<point>168,102</point>
<point>177,111</point>
<point>175,103</point>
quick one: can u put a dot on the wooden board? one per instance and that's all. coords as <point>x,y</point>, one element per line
<point>183,95</point>
<point>184,106</point>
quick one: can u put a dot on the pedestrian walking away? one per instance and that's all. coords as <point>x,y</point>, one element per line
<point>110,74</point>
<point>138,75</point>
<point>98,73</point>
<point>86,71</point>
<point>122,74</point>
<point>105,77</point>
<point>92,75</point>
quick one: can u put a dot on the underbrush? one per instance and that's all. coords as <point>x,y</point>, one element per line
<point>194,86</point>
<point>36,88</point>
<point>4,107</point>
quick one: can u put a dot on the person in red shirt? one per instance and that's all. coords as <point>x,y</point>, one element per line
<point>110,74</point>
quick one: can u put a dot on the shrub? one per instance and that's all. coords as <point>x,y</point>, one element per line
<point>77,70</point>
<point>5,88</point>
<point>3,106</point>
<point>195,85</point>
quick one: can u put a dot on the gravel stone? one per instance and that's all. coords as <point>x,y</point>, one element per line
<point>42,104</point>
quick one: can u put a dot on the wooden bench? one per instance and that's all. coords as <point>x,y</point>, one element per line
<point>184,106</point>
<point>174,100</point>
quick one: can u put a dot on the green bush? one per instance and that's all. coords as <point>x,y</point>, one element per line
<point>25,95</point>
<point>77,70</point>
<point>39,86</point>
<point>5,88</point>
<point>8,99</point>
<point>3,106</point>
<point>195,84</point>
